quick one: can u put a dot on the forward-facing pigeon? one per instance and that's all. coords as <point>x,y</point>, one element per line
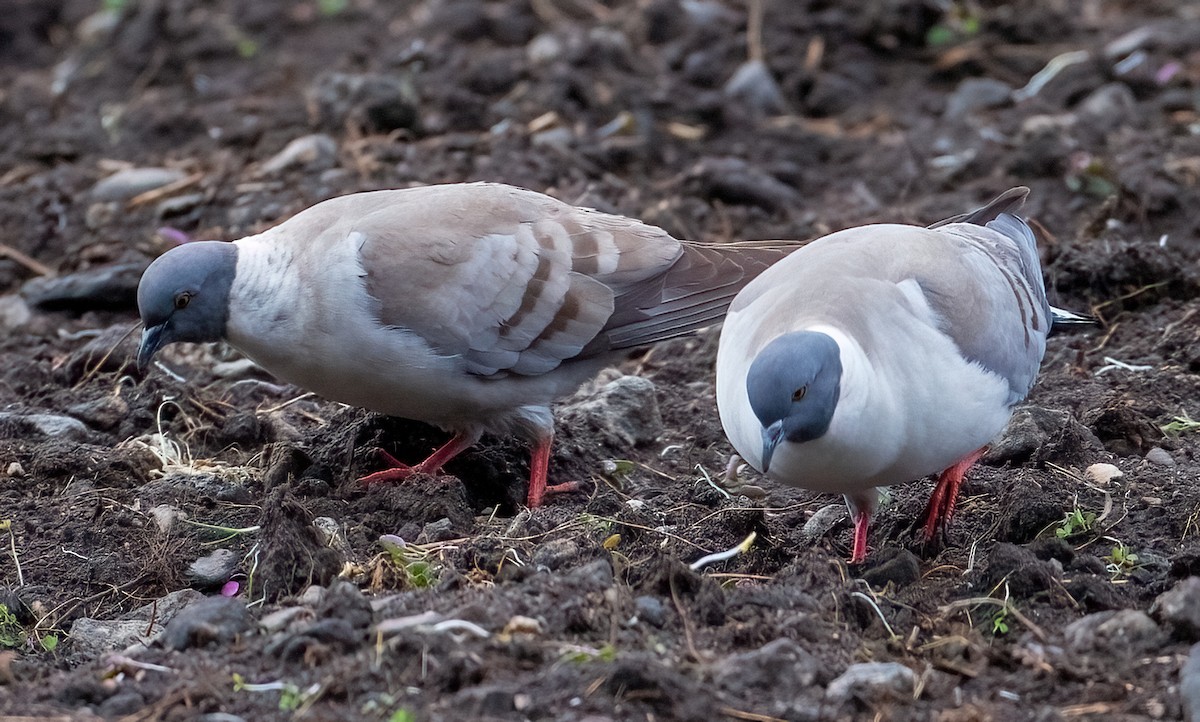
<point>468,306</point>
<point>885,353</point>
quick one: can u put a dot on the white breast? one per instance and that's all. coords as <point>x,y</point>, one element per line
<point>900,417</point>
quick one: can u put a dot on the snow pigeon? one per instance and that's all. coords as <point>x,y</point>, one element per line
<point>885,353</point>
<point>468,306</point>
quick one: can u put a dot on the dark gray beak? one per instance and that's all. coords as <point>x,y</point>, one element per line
<point>771,435</point>
<point>152,340</point>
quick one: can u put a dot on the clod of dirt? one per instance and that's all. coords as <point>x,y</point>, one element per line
<point>1094,592</point>
<point>1046,433</point>
<point>1018,567</point>
<point>1123,429</point>
<point>673,579</point>
<point>621,413</point>
<point>379,103</point>
<point>900,568</point>
<point>211,620</point>
<point>668,690</point>
<point>346,602</point>
<point>292,553</point>
<point>107,352</point>
<point>1026,517</point>
<point>1179,609</point>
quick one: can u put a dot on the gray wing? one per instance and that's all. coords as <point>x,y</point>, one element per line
<point>514,281</point>
<point>1002,250</point>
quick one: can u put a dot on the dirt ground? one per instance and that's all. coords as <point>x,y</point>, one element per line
<point>1039,603</point>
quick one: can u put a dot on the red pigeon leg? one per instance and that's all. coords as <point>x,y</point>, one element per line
<point>862,506</point>
<point>862,523</point>
<point>399,471</point>
<point>945,494</point>
<point>539,465</point>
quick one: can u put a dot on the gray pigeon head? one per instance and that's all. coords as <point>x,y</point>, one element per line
<point>794,384</point>
<point>184,296</point>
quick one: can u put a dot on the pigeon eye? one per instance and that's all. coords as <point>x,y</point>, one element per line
<point>182,301</point>
<point>799,393</point>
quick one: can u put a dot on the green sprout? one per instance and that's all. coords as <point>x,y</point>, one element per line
<point>1180,425</point>
<point>582,655</point>
<point>329,8</point>
<point>1121,561</point>
<point>419,571</point>
<point>1000,621</point>
<point>12,635</point>
<point>1075,522</point>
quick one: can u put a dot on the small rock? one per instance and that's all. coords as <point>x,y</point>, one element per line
<point>975,94</point>
<point>650,610</point>
<point>125,184</point>
<point>312,596</point>
<point>819,524</point>
<point>15,470</point>
<point>520,624</point>
<point>124,702</point>
<point>93,637</point>
<point>165,516</point>
<point>733,180</point>
<point>873,683</point>
<point>555,553</point>
<point>753,85</point>
<point>1179,608</point>
<point>593,575</point>
<point>14,312</point>
<point>178,205</point>
<point>210,572</point>
<point>544,49</point>
<point>103,287</point>
<point>63,427</point>
<point>779,664</point>
<point>1103,474</point>
<point>213,619</point>
<point>281,618</point>
<point>331,532</point>
<point>1189,685</point>
<point>436,531</point>
<point>220,717</point>
<point>1123,632</point>
<point>316,152</point>
<point>623,412</point>
<point>1108,107</point>
<point>1159,456</point>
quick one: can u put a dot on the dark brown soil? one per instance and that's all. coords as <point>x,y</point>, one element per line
<point>589,607</point>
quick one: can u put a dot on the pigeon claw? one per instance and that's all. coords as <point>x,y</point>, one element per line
<point>945,494</point>
<point>396,471</point>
